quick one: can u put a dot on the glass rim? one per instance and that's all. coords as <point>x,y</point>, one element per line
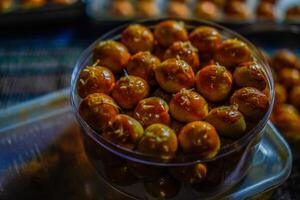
<point>154,160</point>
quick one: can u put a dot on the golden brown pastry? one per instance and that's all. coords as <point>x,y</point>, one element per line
<point>122,8</point>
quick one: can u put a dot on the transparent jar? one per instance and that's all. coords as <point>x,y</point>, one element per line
<point>140,176</point>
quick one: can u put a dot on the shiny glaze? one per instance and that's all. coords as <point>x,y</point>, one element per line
<point>95,79</point>
<point>199,138</point>
<point>98,110</point>
<point>251,102</point>
<point>206,39</point>
<point>124,131</point>
<point>250,74</point>
<point>233,52</point>
<point>137,38</point>
<point>168,32</point>
<point>129,90</point>
<point>142,64</point>
<point>214,82</point>
<point>111,54</point>
<point>152,110</point>
<point>185,51</point>
<point>228,121</point>
<point>188,106</point>
<point>174,74</point>
<point>158,140</point>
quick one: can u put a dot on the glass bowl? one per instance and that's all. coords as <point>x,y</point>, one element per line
<point>147,177</point>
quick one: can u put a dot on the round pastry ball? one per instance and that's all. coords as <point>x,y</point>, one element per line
<point>95,79</point>
<point>174,74</point>
<point>214,82</point>
<point>129,90</point>
<point>295,96</point>
<point>137,38</point>
<point>293,13</point>
<point>287,119</point>
<point>265,11</point>
<point>122,8</point>
<point>164,187</point>
<point>233,52</point>
<point>251,102</point>
<point>152,110</point>
<point>280,94</point>
<point>178,9</point>
<point>237,10</point>
<point>111,54</point>
<point>199,138</point>
<point>206,39</point>
<point>208,10</point>
<point>191,174</point>
<point>98,110</point>
<point>168,32</point>
<point>185,51</point>
<point>158,140</point>
<point>188,106</point>
<point>228,121</point>
<point>147,9</point>
<point>250,74</point>
<point>289,77</point>
<point>285,59</point>
<point>142,64</point>
<point>124,131</point>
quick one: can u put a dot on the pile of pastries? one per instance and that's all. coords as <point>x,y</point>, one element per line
<point>171,92</point>
<point>236,10</point>
<point>286,72</point>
